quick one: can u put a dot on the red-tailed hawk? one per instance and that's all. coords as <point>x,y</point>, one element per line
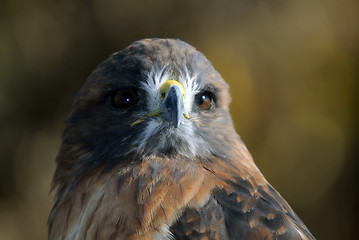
<point>150,152</point>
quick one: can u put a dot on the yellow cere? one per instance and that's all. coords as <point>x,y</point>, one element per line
<point>166,87</point>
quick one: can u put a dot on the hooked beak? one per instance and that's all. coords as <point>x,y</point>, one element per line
<point>172,107</point>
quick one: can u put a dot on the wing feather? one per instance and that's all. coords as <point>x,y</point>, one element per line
<point>233,212</point>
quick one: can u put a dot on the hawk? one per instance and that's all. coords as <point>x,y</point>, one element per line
<point>150,152</point>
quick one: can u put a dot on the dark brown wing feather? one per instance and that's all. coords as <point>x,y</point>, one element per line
<point>238,214</point>
<point>207,222</point>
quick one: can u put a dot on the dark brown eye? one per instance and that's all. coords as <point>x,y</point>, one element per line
<point>124,98</point>
<point>204,100</point>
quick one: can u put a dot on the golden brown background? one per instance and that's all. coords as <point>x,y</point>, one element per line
<point>293,69</point>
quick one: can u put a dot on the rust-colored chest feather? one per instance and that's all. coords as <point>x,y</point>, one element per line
<point>140,201</point>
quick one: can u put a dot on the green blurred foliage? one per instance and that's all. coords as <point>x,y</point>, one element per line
<point>292,67</point>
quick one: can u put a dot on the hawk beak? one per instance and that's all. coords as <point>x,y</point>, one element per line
<point>172,106</point>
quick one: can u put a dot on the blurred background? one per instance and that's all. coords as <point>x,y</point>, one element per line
<point>293,68</point>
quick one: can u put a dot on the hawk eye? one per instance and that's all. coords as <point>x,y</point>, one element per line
<point>124,98</point>
<point>204,100</point>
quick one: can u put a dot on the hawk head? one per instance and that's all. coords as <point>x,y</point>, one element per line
<point>150,152</point>
<point>156,97</point>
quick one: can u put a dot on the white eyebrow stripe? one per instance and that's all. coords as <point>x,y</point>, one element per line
<point>191,88</point>
<point>155,78</point>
